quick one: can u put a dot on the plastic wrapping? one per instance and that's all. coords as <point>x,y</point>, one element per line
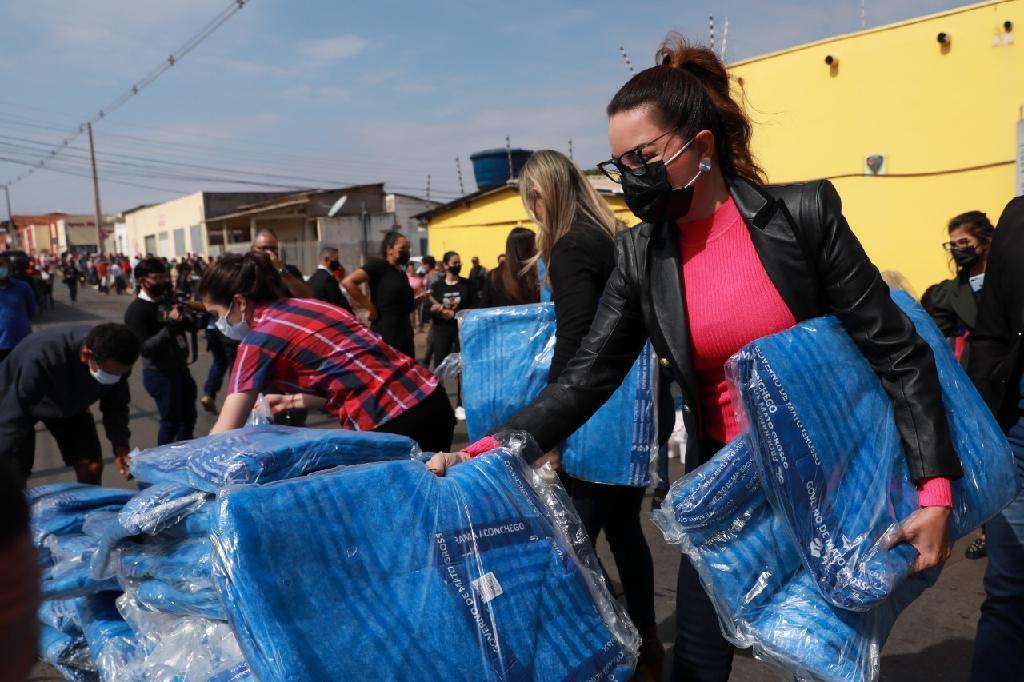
<point>506,356</point>
<point>67,653</point>
<point>188,649</point>
<point>824,439</point>
<point>450,368</point>
<point>60,508</point>
<point>478,572</point>
<point>269,453</point>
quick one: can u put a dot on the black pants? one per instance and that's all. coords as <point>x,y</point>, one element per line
<point>174,391</point>
<point>4,352</point>
<point>76,439</point>
<point>446,341</point>
<point>73,290</point>
<point>702,653</point>
<point>396,331</point>
<point>431,423</point>
<point>222,352</point>
<point>615,509</point>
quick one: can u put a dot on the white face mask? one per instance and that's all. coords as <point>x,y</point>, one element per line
<point>104,377</point>
<point>235,332</point>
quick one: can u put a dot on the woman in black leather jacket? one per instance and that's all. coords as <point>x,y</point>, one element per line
<point>680,148</point>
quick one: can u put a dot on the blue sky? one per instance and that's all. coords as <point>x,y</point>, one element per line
<point>321,93</point>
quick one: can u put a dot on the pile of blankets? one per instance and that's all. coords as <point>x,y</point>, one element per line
<point>506,355</point>
<point>788,525</point>
<point>275,552</point>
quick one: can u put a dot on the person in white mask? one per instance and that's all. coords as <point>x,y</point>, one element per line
<point>303,353</point>
<point>55,377</point>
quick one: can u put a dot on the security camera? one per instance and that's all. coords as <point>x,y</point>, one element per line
<point>831,61</point>
<point>943,38</point>
<point>1008,26</point>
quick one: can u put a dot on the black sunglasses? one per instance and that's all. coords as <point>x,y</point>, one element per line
<point>633,161</point>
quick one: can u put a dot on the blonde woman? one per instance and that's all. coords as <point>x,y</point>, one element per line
<point>576,241</point>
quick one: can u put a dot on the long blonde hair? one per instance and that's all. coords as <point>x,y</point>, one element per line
<point>568,198</point>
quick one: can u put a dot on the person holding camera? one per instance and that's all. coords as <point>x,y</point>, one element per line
<point>161,326</point>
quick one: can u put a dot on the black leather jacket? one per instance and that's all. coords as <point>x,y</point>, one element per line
<point>818,267</point>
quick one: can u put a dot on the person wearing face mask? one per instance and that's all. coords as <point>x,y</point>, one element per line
<point>307,354</point>
<point>448,295</point>
<point>955,301</point>
<point>17,308</point>
<point>325,287</point>
<point>391,299</point>
<point>163,339</point>
<point>55,379</point>
<point>720,260</point>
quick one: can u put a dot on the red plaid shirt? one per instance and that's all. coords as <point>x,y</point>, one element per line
<point>302,345</point>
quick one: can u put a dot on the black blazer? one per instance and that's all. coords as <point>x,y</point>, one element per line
<point>325,287</point>
<point>995,358</point>
<point>818,267</point>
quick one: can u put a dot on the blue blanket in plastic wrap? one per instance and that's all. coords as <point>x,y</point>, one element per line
<point>456,578</point>
<point>764,596</point>
<point>506,355</point>
<point>60,508</point>
<point>825,442</point>
<point>263,454</point>
<point>67,653</point>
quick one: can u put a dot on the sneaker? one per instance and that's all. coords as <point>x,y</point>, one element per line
<point>977,549</point>
<point>460,413</point>
<point>207,403</point>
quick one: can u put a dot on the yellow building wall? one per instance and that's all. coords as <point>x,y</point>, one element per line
<point>897,91</point>
<point>480,227</point>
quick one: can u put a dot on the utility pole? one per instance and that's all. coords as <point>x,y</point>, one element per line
<point>458,168</point>
<point>428,186</point>
<point>96,192</point>
<point>10,218</point>
<point>570,150</point>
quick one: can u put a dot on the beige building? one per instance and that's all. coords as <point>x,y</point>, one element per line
<point>178,227</point>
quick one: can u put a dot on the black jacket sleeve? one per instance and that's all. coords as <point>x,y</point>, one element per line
<point>994,362</point>
<point>31,382</point>
<point>581,263</point>
<point>116,414</point>
<point>157,341</point>
<point>856,294</point>
<point>604,358</point>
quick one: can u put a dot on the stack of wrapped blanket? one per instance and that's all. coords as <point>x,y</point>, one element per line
<point>276,552</point>
<point>789,525</point>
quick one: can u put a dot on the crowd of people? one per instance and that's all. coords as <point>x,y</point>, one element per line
<point>720,259</point>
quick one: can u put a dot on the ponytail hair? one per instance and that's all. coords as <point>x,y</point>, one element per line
<point>252,275</point>
<point>688,90</point>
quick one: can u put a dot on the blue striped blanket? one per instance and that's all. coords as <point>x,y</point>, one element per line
<point>506,355</point>
<point>464,577</point>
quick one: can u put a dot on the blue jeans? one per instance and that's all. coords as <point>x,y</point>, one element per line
<point>175,394</point>
<point>999,644</point>
<point>222,352</point>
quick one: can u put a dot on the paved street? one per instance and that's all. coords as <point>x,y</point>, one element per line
<point>932,641</point>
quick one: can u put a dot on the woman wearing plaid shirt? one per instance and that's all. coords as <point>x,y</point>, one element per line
<point>305,353</point>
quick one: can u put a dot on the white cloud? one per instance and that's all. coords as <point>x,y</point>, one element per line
<point>335,49</point>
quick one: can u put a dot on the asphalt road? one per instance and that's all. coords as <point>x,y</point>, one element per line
<point>932,641</point>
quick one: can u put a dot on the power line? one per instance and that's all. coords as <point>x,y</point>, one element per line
<point>136,87</point>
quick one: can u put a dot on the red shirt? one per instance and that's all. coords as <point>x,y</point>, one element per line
<point>730,301</point>
<point>301,345</point>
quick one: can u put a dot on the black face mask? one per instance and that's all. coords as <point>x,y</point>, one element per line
<point>333,265</point>
<point>158,289</point>
<point>403,256</point>
<point>455,269</point>
<point>965,257</point>
<point>653,199</point>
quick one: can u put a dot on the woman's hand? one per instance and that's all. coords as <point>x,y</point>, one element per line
<point>293,401</point>
<point>371,312</point>
<point>442,461</point>
<point>927,530</point>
